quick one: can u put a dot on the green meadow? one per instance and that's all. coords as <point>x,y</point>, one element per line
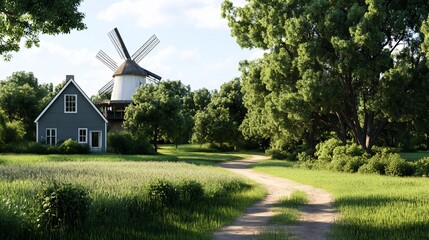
<point>371,206</point>
<point>121,197</point>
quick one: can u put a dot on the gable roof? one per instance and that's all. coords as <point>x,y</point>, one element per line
<point>71,81</point>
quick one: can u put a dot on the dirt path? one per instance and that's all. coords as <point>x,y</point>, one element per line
<point>315,220</point>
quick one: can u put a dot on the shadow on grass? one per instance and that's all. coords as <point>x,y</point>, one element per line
<point>376,230</point>
<point>273,163</point>
<point>360,231</point>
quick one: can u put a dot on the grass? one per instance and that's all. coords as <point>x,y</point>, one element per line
<point>414,156</point>
<point>287,209</point>
<point>118,187</point>
<point>275,234</point>
<point>371,206</point>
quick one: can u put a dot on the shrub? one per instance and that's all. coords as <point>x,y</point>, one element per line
<point>119,142</point>
<point>353,164</point>
<point>325,150</point>
<point>191,191</point>
<point>70,146</point>
<point>162,193</point>
<point>62,205</point>
<point>374,165</point>
<point>124,143</point>
<point>396,166</point>
<point>422,167</point>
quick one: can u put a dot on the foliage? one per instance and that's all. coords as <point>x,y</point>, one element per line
<point>25,20</point>
<point>155,112</point>
<point>162,193</point>
<point>124,143</point>
<point>351,67</point>
<point>218,124</point>
<point>422,167</point>
<point>22,98</point>
<point>70,146</point>
<point>191,191</point>
<point>62,205</point>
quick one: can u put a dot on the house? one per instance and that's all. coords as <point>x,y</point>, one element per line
<point>71,114</point>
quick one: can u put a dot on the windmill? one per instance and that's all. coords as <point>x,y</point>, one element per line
<point>129,76</point>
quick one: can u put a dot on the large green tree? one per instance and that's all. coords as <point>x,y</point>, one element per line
<point>219,122</point>
<point>331,63</point>
<point>155,112</point>
<point>25,20</point>
<point>22,98</point>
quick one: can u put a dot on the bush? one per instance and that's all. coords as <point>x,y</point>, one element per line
<point>325,150</point>
<point>191,191</point>
<point>396,166</point>
<point>62,205</point>
<point>374,165</point>
<point>422,167</point>
<point>119,142</point>
<point>70,146</point>
<point>124,143</point>
<point>162,193</point>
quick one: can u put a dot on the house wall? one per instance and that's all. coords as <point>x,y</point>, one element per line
<point>67,124</point>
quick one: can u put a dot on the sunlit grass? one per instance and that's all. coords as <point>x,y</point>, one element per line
<point>287,209</point>
<point>118,186</point>
<point>371,206</point>
<point>275,234</point>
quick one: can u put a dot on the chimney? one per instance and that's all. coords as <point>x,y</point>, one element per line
<point>69,77</point>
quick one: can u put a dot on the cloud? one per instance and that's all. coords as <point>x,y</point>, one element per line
<point>148,14</point>
<point>207,17</point>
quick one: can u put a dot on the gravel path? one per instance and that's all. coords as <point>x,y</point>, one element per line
<point>315,220</point>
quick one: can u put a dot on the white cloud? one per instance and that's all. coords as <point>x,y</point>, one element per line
<point>147,14</point>
<point>207,16</point>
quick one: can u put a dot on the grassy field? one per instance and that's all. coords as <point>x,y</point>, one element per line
<point>119,193</point>
<point>371,206</point>
<point>413,156</point>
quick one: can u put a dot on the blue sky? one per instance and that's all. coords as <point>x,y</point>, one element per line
<point>196,46</point>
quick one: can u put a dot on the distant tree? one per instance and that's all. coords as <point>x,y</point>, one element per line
<point>29,18</point>
<point>201,99</point>
<point>155,112</point>
<point>219,122</point>
<point>22,98</point>
<point>333,61</point>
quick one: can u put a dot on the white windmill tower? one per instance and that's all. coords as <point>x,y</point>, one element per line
<point>127,78</point>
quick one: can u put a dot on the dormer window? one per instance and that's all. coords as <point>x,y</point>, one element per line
<point>70,103</point>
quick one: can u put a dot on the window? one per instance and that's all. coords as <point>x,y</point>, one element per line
<point>82,135</point>
<point>51,136</point>
<point>70,103</point>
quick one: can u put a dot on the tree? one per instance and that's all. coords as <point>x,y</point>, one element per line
<point>219,122</point>
<point>333,59</point>
<point>22,98</point>
<point>29,18</point>
<point>155,112</point>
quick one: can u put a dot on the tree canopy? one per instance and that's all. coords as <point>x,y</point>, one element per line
<point>155,112</point>
<point>346,66</point>
<point>27,19</point>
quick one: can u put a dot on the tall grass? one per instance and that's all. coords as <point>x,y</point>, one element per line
<point>371,206</point>
<point>120,207</point>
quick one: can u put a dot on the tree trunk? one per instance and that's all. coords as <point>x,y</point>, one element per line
<point>155,140</point>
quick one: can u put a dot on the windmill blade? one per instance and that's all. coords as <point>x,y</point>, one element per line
<point>152,79</point>
<point>108,61</point>
<point>119,44</point>
<point>145,49</point>
<point>106,88</point>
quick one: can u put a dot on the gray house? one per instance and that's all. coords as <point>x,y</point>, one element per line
<point>71,114</point>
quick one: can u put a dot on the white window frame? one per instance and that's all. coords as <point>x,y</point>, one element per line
<point>100,139</point>
<point>65,103</point>
<point>79,135</point>
<point>52,143</point>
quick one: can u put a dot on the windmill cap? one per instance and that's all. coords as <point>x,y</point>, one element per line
<point>130,67</point>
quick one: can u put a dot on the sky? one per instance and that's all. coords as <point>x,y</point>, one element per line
<point>195,46</point>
